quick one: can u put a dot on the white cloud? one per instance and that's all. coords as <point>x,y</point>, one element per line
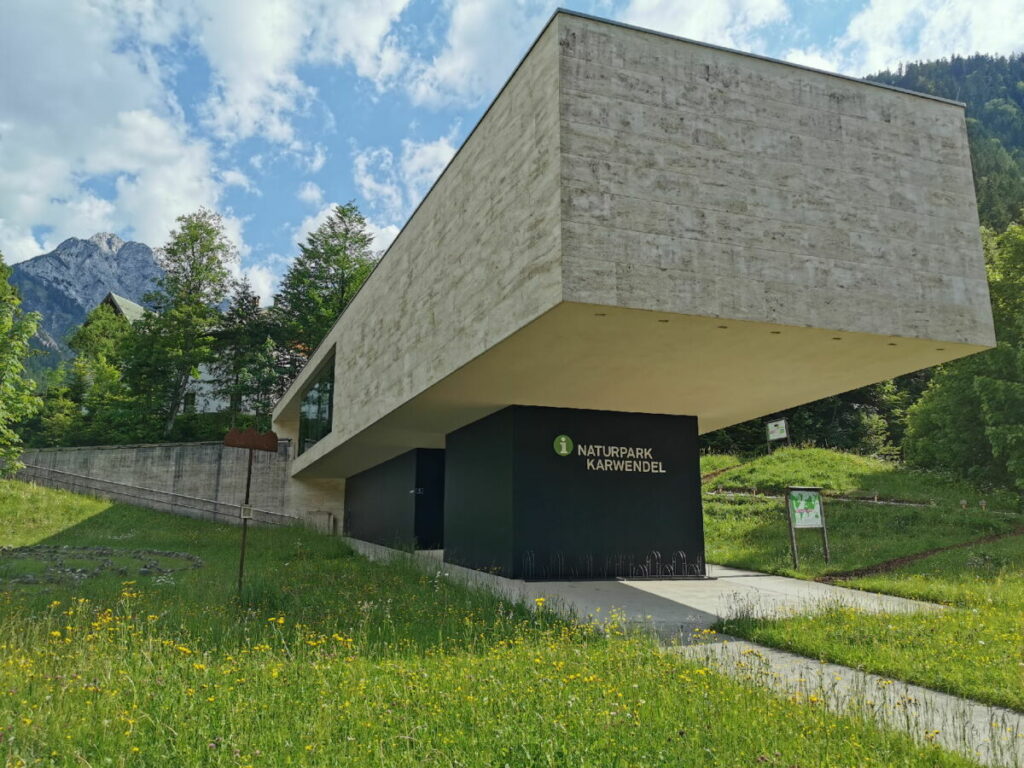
<point>395,186</point>
<point>121,130</point>
<point>376,176</point>
<point>731,23</point>
<point>316,158</point>
<point>383,235</point>
<point>310,193</point>
<point>422,163</point>
<point>484,42</point>
<point>263,280</point>
<point>233,230</point>
<point>235,178</point>
<point>255,48</point>
<point>888,32</point>
<point>813,57</point>
<point>361,31</point>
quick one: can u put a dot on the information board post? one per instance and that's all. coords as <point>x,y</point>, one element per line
<point>251,440</point>
<point>804,509</point>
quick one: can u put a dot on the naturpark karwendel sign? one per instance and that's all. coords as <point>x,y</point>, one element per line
<point>610,458</point>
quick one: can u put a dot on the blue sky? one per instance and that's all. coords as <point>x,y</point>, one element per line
<point>119,115</point>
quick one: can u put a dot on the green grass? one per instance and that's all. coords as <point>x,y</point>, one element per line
<point>752,533</point>
<point>331,660</point>
<point>715,462</point>
<point>974,649</point>
<point>860,476</point>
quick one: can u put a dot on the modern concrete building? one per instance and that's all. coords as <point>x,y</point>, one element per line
<point>638,225</point>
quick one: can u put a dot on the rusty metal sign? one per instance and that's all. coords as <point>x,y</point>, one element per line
<point>250,438</point>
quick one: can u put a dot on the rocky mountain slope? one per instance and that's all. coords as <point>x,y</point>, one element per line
<point>64,284</point>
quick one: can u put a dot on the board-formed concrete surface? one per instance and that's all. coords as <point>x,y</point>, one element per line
<point>196,479</point>
<point>641,223</point>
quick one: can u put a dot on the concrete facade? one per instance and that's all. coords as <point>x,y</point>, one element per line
<point>641,223</point>
<point>701,182</point>
<point>196,479</point>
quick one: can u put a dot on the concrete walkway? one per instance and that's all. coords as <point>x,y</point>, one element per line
<point>991,735</point>
<point>679,609</point>
<point>676,608</point>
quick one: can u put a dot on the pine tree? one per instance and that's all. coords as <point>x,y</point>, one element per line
<point>244,367</point>
<point>332,265</point>
<point>17,393</point>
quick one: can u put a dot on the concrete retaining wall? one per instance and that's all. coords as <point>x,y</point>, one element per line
<point>204,480</point>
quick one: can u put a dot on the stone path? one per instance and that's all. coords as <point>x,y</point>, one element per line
<point>679,609</point>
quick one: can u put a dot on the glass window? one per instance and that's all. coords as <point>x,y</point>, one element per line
<point>317,408</point>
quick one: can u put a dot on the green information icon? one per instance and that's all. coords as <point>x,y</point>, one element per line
<point>563,445</point>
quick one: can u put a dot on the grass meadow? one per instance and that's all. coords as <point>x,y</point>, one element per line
<point>331,660</point>
<point>973,649</point>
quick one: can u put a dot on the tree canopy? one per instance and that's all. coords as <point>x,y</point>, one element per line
<point>169,344</point>
<point>17,398</point>
<point>331,267</point>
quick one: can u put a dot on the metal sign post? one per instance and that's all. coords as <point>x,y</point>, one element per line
<point>253,441</point>
<point>804,509</point>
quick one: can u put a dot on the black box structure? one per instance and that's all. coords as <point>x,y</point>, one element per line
<point>558,493</point>
<point>398,503</point>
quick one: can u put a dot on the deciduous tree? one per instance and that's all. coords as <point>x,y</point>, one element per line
<point>18,400</point>
<point>169,344</point>
<point>971,418</point>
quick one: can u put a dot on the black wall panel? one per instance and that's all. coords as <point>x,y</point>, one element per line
<point>398,503</point>
<point>623,502</point>
<point>478,522</point>
<point>429,523</point>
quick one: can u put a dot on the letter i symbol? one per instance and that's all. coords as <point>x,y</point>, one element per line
<point>563,445</point>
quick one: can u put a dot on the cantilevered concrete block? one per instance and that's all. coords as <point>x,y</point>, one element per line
<point>641,223</point>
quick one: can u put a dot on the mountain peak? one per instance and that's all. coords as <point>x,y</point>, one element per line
<point>66,283</point>
<point>107,241</point>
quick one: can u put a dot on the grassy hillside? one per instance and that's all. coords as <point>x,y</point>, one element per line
<point>852,475</point>
<point>331,660</point>
<point>975,649</point>
<point>750,531</point>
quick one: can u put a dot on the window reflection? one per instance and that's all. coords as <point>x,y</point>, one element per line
<point>317,409</point>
